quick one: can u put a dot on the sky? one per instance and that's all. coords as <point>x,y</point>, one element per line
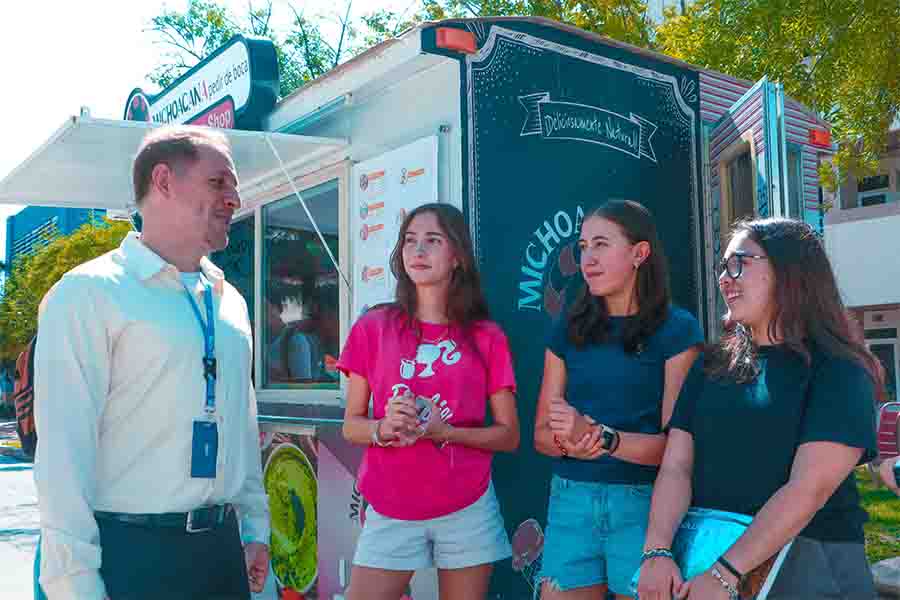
<point>60,56</point>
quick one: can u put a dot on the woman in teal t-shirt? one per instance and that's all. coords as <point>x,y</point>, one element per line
<point>771,423</point>
<point>612,370</point>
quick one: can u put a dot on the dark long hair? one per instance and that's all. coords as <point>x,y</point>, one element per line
<point>465,300</point>
<point>808,310</point>
<point>589,315</point>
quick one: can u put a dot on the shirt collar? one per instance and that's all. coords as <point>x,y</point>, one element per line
<point>146,264</point>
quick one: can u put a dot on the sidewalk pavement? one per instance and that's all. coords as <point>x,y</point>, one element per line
<point>19,522</point>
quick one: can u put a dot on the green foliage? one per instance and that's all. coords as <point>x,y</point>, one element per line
<point>33,276</point>
<point>883,528</point>
<point>836,56</point>
<point>190,36</point>
<point>383,25</point>
<point>304,52</point>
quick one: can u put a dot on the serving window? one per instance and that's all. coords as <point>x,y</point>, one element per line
<point>300,301</point>
<point>297,299</point>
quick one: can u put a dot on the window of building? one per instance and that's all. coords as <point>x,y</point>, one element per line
<point>887,354</point>
<point>300,300</point>
<point>740,179</point>
<point>36,238</point>
<point>873,190</point>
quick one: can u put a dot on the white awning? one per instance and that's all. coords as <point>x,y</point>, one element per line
<point>87,162</point>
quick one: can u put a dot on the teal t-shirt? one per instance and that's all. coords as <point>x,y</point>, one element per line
<point>621,390</point>
<point>746,435</point>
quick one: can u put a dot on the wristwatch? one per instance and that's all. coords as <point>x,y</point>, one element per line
<point>610,439</point>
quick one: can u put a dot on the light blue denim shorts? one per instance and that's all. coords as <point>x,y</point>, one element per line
<point>474,535</point>
<point>595,534</point>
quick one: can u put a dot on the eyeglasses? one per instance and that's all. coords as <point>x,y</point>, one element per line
<point>734,264</point>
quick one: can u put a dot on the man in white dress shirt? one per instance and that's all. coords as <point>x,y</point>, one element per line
<point>149,447</point>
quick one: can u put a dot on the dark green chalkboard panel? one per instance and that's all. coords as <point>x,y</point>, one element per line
<point>558,123</point>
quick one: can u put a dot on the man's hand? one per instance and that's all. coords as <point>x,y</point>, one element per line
<point>256,556</point>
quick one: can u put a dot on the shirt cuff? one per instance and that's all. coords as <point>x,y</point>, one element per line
<point>84,585</point>
<point>255,529</point>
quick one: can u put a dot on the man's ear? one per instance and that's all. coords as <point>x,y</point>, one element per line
<point>161,179</point>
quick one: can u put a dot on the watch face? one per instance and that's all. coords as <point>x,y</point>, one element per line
<point>608,438</point>
<point>897,472</point>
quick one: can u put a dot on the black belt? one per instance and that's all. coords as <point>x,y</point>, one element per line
<point>198,520</point>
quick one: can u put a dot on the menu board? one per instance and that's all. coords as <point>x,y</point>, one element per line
<point>385,190</point>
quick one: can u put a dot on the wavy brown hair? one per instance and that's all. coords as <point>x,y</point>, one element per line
<point>465,300</point>
<point>808,311</point>
<point>589,315</point>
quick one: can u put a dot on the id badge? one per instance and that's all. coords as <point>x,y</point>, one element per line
<point>204,449</point>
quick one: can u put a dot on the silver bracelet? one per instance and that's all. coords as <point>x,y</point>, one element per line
<point>376,438</point>
<point>446,439</point>
<point>733,593</point>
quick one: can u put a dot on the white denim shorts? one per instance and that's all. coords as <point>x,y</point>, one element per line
<point>471,536</point>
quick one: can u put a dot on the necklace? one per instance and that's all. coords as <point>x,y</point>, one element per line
<point>439,339</point>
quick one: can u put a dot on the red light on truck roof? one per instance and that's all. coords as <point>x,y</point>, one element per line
<point>456,39</point>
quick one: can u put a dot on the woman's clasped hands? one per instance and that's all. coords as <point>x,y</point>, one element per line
<point>409,417</point>
<point>579,434</point>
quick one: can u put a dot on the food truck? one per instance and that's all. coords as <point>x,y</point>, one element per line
<point>524,124</point>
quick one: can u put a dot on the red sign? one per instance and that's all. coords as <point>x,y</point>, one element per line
<point>221,115</point>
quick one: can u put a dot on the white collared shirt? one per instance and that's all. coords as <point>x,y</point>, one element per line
<point>118,384</point>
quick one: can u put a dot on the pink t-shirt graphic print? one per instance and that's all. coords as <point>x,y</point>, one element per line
<point>458,370</point>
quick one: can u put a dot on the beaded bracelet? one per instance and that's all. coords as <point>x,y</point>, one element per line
<point>732,591</point>
<point>657,553</point>
<point>559,445</point>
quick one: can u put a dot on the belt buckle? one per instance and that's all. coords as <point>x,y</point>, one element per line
<point>189,526</point>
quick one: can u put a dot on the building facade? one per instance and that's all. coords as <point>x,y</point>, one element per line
<point>37,225</point>
<point>862,234</point>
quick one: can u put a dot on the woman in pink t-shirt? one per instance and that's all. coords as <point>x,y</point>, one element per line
<point>431,363</point>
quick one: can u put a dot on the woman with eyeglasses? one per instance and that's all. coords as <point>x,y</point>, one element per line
<point>771,423</point>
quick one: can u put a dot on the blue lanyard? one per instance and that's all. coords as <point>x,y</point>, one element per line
<point>209,342</point>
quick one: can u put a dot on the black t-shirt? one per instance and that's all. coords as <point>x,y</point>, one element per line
<point>746,435</point>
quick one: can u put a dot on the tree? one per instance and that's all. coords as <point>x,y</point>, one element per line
<point>189,37</point>
<point>33,276</point>
<point>384,24</point>
<point>303,52</point>
<point>839,57</point>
